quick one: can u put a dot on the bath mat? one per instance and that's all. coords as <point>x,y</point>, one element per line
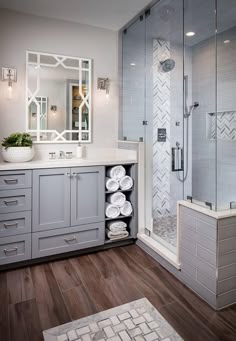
<point>137,320</point>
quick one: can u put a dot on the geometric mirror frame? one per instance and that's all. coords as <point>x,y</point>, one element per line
<point>58,98</point>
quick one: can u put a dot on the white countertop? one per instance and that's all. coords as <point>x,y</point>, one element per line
<point>210,213</point>
<point>5,166</point>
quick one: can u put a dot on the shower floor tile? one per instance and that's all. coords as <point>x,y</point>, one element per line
<point>166,229</point>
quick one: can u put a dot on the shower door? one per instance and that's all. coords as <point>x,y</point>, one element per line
<point>164,132</point>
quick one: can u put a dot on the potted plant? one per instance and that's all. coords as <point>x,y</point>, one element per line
<point>17,147</point>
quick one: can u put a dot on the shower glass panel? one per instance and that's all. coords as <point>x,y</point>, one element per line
<point>200,67</point>
<point>164,141</point>
<point>133,84</point>
<point>226,104</point>
<point>178,93</point>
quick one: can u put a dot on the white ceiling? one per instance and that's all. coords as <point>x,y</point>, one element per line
<point>110,14</point>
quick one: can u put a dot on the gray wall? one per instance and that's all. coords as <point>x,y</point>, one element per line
<point>21,32</point>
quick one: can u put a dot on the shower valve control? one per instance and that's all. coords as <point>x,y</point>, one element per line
<point>161,135</point>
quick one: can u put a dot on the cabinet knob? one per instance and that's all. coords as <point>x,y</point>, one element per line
<point>75,174</point>
<point>68,174</point>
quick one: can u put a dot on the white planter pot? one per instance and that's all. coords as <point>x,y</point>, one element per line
<point>17,154</point>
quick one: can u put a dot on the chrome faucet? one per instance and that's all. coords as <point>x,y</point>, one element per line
<point>62,154</point>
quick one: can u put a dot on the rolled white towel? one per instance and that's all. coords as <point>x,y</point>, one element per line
<point>117,199</point>
<point>112,211</point>
<point>112,185</point>
<point>126,209</point>
<point>116,172</point>
<point>117,235</point>
<point>115,226</point>
<point>126,182</point>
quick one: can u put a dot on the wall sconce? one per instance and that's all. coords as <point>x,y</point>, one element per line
<point>53,108</point>
<point>104,84</point>
<point>9,75</point>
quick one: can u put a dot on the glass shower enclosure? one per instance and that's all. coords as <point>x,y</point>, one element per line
<point>178,86</point>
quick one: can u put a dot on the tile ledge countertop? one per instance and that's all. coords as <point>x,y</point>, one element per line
<point>38,164</point>
<point>217,215</point>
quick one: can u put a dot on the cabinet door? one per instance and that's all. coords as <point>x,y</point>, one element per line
<point>87,195</point>
<point>51,199</point>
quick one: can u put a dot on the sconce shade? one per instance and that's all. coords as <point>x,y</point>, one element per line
<point>103,84</point>
<point>53,108</point>
<point>9,75</point>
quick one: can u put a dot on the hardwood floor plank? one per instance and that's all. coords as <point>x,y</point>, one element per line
<point>93,282</point>
<point>150,286</point>
<point>65,275</point>
<point>191,329</point>
<point>83,285</point>
<point>195,304</point>
<point>4,319</point>
<point>20,285</point>
<point>24,322</point>
<point>79,303</point>
<point>228,315</point>
<point>51,307</point>
<point>118,283</point>
<point>139,256</point>
<point>105,264</point>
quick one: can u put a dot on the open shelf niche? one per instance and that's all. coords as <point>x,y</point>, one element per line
<point>131,196</point>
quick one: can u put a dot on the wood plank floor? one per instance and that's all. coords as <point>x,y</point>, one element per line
<point>43,296</point>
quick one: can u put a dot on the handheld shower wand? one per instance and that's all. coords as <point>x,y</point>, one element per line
<point>192,107</point>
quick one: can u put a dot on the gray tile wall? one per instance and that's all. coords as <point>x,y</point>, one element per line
<point>226,285</point>
<point>208,256</point>
<point>198,253</point>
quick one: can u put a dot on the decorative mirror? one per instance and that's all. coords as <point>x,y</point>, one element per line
<point>58,97</point>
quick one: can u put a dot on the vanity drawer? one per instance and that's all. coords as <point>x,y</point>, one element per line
<point>15,223</point>
<point>48,243</point>
<point>15,249</point>
<point>15,200</point>
<point>15,179</point>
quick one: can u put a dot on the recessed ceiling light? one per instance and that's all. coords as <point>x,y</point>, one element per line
<point>132,64</point>
<point>190,34</point>
<point>226,41</point>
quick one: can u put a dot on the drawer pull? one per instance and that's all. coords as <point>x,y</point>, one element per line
<point>11,202</point>
<point>11,181</point>
<point>11,250</point>
<point>75,175</point>
<point>69,240</point>
<point>6,225</point>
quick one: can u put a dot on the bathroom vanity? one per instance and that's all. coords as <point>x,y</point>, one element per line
<point>54,207</point>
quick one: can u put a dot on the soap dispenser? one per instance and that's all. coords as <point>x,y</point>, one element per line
<point>79,151</point>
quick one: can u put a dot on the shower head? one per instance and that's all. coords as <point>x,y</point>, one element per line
<point>168,65</point>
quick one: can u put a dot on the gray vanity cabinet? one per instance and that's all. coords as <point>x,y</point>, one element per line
<point>68,209</point>
<point>51,199</point>
<point>87,195</point>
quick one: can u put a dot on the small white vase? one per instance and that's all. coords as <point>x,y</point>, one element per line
<point>17,154</point>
